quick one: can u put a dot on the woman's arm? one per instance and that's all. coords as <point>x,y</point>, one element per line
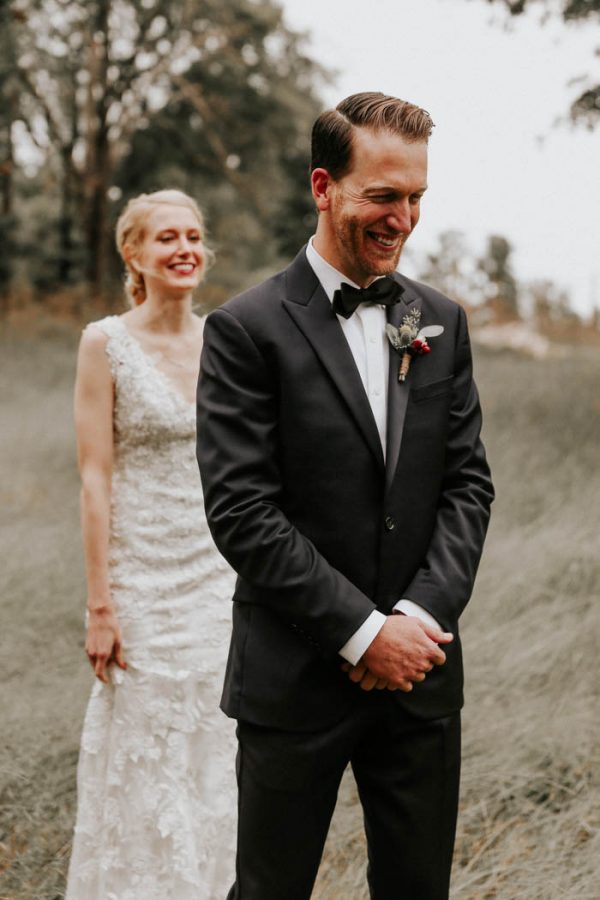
<point>94,428</point>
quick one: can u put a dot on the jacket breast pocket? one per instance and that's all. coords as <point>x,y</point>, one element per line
<point>434,389</point>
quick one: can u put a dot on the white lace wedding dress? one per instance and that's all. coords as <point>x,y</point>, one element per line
<point>156,813</point>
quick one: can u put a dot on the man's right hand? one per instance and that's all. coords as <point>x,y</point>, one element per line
<point>402,653</point>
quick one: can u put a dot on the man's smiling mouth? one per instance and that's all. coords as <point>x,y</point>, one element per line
<point>383,240</point>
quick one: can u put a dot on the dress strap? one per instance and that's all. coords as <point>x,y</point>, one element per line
<point>110,325</point>
<point>118,349</point>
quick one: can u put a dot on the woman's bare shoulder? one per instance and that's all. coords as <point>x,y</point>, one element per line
<point>96,335</point>
<point>93,337</point>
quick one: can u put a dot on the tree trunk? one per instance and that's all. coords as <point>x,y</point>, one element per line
<point>7,220</point>
<point>98,163</point>
<point>6,171</point>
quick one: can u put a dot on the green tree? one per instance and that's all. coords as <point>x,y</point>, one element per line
<point>452,269</point>
<point>236,134</point>
<point>8,114</point>
<point>500,287</point>
<point>124,95</point>
<point>586,108</point>
<point>550,306</point>
<point>87,70</point>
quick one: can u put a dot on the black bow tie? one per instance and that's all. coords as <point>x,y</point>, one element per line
<point>385,291</point>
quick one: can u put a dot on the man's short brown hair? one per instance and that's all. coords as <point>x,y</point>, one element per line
<point>332,132</point>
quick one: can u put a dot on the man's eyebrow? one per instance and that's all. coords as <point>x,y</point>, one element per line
<point>387,189</point>
<point>381,189</point>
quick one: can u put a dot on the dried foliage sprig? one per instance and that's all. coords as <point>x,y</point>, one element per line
<point>409,341</point>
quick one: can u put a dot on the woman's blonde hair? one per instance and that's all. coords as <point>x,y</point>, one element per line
<point>130,233</point>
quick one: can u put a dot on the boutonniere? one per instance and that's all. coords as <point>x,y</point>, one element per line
<point>409,340</point>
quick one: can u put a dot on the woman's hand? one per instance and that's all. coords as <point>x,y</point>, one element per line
<point>103,643</point>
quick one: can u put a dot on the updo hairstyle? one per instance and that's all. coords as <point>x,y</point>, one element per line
<point>130,232</point>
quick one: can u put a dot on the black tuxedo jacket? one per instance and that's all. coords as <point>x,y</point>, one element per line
<point>300,502</point>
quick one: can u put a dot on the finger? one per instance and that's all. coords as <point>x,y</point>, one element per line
<point>119,658</point>
<point>441,637</point>
<point>445,637</point>
<point>438,657</point>
<point>420,676</point>
<point>436,634</point>
<point>382,683</point>
<point>391,687</point>
<point>368,681</point>
<point>100,669</point>
<point>405,686</point>
<point>356,673</point>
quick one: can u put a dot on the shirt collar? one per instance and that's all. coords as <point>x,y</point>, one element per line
<point>327,274</point>
<point>329,277</point>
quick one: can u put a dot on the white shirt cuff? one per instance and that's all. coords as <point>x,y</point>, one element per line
<point>413,609</point>
<point>354,648</point>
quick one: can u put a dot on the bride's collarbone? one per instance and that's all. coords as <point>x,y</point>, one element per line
<point>180,352</point>
<point>176,357</point>
<point>181,375</point>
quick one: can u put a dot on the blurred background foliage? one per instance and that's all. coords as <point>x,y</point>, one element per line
<point>106,99</point>
<point>585,109</point>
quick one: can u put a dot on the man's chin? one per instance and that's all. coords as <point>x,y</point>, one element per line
<point>385,268</point>
<point>379,267</point>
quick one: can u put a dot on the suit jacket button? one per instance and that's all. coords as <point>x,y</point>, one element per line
<point>390,523</point>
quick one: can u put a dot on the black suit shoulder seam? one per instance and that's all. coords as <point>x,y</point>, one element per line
<point>241,326</point>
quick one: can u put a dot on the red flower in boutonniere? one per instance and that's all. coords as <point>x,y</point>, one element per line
<point>409,341</point>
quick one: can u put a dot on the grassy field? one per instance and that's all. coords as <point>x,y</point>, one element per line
<point>529,826</point>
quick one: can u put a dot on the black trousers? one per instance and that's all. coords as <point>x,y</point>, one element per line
<point>407,774</point>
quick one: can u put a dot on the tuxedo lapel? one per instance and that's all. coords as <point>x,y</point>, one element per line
<point>398,391</point>
<point>310,308</point>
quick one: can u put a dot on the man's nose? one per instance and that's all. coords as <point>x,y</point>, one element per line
<point>399,217</point>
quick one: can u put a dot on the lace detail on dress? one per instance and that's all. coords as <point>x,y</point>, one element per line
<point>156,786</point>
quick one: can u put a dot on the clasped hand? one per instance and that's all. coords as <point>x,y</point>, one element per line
<point>402,653</point>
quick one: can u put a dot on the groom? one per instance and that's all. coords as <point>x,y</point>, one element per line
<point>353,506</point>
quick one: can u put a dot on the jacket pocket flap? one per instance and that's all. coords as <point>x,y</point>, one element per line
<point>435,389</point>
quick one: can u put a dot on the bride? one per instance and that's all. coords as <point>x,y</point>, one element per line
<point>156,783</point>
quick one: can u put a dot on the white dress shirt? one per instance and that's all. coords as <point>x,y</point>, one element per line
<point>365,333</point>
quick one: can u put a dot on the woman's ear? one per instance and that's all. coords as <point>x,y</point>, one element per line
<point>129,256</point>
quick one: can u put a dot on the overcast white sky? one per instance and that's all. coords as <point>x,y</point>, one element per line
<point>499,164</point>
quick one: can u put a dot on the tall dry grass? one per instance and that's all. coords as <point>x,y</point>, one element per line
<point>42,670</point>
<point>529,826</point>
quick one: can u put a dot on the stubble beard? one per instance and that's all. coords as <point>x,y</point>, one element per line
<point>354,248</point>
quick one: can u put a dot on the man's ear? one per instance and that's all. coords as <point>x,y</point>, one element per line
<point>321,182</point>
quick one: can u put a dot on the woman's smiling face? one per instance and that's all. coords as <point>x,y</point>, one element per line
<point>171,256</point>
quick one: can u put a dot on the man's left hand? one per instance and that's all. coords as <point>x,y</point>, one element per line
<point>365,679</point>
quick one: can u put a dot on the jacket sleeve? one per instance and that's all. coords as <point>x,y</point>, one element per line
<point>444,582</point>
<point>238,458</point>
